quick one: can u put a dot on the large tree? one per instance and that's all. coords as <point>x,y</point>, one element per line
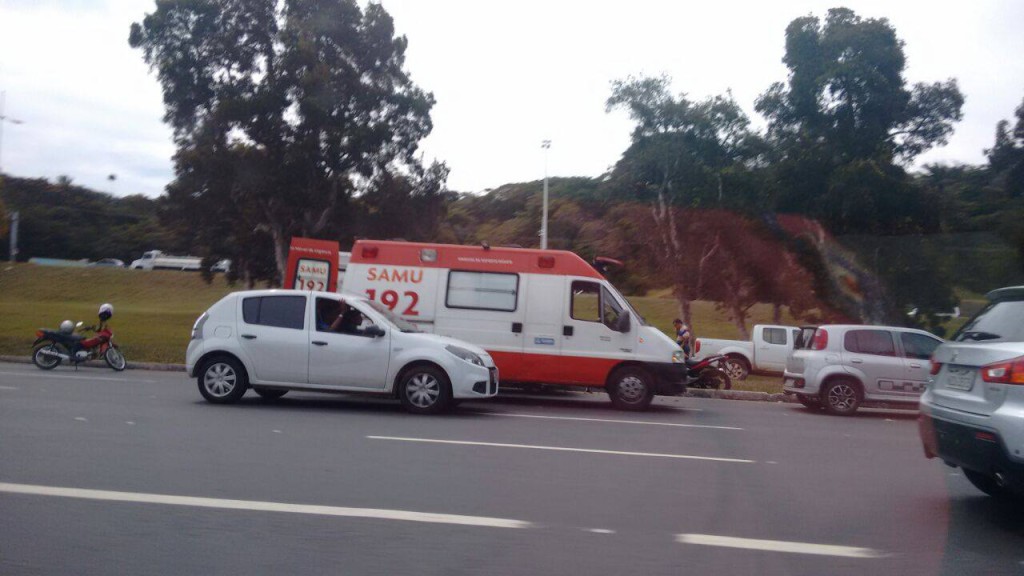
<point>683,154</point>
<point>846,113</point>
<point>281,109</point>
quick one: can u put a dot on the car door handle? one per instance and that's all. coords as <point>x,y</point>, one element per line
<point>856,361</point>
<point>915,365</point>
<point>249,336</point>
<point>517,327</point>
<point>319,343</point>
<point>566,330</point>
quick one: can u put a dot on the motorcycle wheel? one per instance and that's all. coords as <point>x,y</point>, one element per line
<point>43,360</point>
<point>715,379</point>
<point>115,359</point>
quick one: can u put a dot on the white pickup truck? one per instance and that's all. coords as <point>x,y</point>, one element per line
<point>767,352</point>
<point>157,260</point>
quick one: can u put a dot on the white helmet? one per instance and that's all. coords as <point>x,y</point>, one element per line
<point>67,327</point>
<point>106,311</point>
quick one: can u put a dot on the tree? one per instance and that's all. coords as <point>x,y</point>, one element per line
<point>1006,157</point>
<point>682,154</point>
<point>845,111</point>
<point>295,105</point>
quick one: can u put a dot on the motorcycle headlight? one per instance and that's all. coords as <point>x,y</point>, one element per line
<point>678,356</point>
<point>464,354</point>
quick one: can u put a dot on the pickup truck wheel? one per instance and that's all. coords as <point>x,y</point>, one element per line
<point>631,389</point>
<point>737,368</point>
<point>222,381</point>
<point>841,397</point>
<point>425,390</point>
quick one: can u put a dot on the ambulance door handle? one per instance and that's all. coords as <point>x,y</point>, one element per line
<point>566,330</point>
<point>517,327</point>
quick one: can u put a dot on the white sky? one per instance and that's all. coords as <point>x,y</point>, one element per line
<point>506,75</point>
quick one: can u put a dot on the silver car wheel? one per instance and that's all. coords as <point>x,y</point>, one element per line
<point>842,397</point>
<point>423,390</point>
<point>219,379</point>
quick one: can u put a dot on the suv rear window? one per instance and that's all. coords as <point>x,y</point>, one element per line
<point>877,342</point>
<point>998,322</point>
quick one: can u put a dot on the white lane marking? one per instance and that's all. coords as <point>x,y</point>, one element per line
<point>129,422</point>
<point>562,449</point>
<point>600,531</point>
<point>779,546</point>
<point>81,419</point>
<point>253,505</point>
<point>63,377</point>
<point>612,421</point>
<point>8,388</point>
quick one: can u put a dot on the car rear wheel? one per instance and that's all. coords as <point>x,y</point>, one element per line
<point>841,397</point>
<point>425,390</point>
<point>631,389</point>
<point>222,380</point>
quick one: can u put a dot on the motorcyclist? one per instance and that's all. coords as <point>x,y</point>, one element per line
<point>101,329</point>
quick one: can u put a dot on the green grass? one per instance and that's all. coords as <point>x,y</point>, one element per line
<point>154,311</point>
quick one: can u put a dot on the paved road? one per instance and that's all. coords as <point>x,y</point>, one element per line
<point>133,473</point>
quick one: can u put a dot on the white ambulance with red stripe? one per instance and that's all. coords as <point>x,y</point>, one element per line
<point>545,316</point>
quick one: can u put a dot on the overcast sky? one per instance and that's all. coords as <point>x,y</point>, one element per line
<point>506,75</point>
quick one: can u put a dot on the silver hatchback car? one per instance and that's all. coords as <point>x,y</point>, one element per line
<point>844,366</point>
<point>972,414</point>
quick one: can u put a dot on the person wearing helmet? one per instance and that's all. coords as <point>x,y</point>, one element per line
<point>101,329</point>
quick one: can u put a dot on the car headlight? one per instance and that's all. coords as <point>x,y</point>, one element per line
<point>464,354</point>
<point>678,356</point>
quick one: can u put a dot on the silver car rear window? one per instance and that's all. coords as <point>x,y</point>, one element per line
<point>997,322</point>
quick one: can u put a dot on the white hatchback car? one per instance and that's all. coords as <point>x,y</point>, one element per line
<point>849,365</point>
<point>972,414</point>
<point>279,340</point>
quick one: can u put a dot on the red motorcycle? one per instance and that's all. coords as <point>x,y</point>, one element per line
<point>63,345</point>
<point>708,373</point>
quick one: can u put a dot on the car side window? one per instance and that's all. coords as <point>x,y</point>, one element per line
<point>874,342</point>
<point>586,301</point>
<point>276,311</point>
<point>918,346</point>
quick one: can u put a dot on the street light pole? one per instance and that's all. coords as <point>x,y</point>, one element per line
<point>546,145</point>
<point>4,119</point>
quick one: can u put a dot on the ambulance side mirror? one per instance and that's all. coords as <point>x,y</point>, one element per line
<point>622,324</point>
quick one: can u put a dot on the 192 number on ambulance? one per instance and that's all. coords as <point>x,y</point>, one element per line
<point>391,299</point>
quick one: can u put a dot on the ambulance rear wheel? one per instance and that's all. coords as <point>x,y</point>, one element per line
<point>631,389</point>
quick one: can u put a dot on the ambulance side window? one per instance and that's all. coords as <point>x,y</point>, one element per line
<point>482,291</point>
<point>586,301</point>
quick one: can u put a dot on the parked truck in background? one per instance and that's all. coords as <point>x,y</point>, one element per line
<point>765,352</point>
<point>157,260</point>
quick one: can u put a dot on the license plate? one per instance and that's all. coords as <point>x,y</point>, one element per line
<point>960,378</point>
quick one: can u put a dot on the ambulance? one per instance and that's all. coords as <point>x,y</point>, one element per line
<point>545,316</point>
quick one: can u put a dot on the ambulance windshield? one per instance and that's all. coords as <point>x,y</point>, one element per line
<point>398,321</point>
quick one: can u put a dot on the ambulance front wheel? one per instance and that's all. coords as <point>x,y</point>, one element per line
<point>631,388</point>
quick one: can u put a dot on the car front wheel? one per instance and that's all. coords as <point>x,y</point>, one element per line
<point>425,390</point>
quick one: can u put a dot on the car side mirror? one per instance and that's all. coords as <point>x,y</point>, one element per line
<point>623,324</point>
<point>374,331</point>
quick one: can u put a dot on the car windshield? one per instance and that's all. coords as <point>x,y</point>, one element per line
<point>395,319</point>
<point>998,322</point>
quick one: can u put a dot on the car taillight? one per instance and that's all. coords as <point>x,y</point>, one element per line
<point>820,339</point>
<point>935,366</point>
<point>1010,372</point>
<point>696,347</point>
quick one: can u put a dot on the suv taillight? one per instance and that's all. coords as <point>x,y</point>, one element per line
<point>1009,372</point>
<point>820,339</point>
<point>935,366</point>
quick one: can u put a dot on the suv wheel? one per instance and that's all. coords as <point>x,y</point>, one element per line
<point>841,397</point>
